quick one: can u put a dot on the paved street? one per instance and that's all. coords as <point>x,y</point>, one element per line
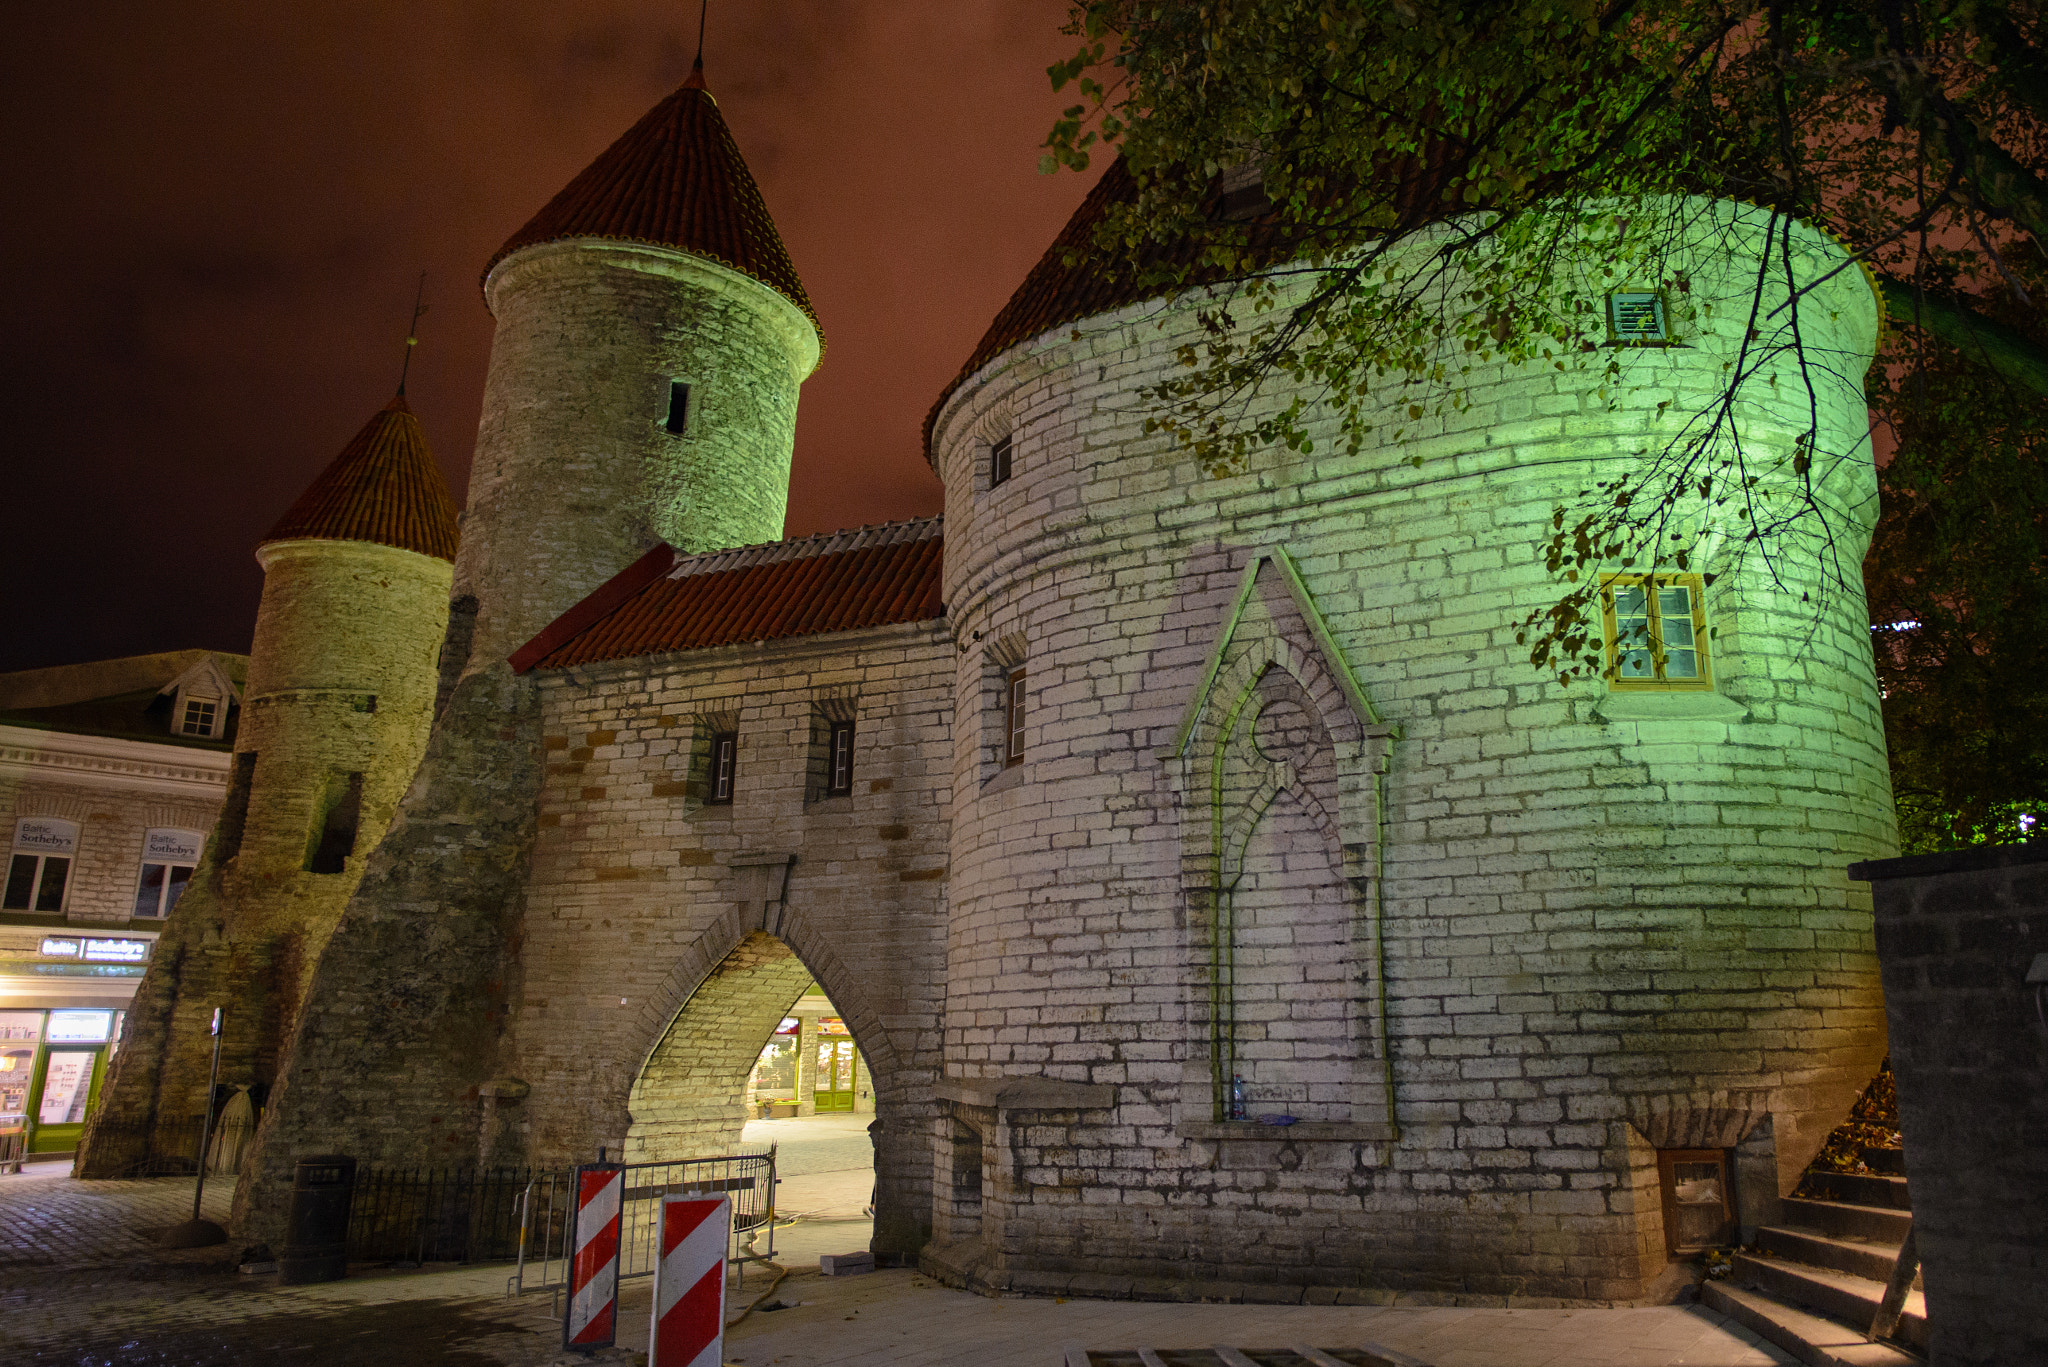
<point>82,1285</point>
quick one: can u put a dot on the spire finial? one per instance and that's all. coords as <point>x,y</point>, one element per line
<point>696,78</point>
<point>412,333</point>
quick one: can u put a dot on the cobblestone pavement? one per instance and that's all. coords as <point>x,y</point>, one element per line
<point>80,1286</point>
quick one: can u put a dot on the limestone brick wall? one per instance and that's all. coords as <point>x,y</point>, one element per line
<point>1576,919</point>
<point>575,474</point>
<point>641,894</point>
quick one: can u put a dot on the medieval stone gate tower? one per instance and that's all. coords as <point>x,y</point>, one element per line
<point>1170,802</point>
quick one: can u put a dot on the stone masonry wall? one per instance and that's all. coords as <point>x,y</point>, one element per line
<point>640,891</point>
<point>1599,915</point>
<point>1963,936</point>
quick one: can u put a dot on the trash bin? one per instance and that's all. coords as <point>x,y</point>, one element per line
<point>316,1235</point>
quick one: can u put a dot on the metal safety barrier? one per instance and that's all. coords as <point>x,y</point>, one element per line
<point>748,1179</point>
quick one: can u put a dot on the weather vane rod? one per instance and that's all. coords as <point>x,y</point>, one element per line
<point>703,8</point>
<point>412,334</point>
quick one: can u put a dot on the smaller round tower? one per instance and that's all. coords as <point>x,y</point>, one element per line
<point>341,681</point>
<point>651,336</point>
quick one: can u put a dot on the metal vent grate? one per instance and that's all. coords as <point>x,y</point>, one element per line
<point>1638,317</point>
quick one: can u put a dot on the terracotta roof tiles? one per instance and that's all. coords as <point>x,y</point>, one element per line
<point>675,179</point>
<point>840,581</point>
<point>384,487</point>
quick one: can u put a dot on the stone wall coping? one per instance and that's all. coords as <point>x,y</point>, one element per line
<point>1028,1093</point>
<point>1302,1131</point>
<point>1973,860</point>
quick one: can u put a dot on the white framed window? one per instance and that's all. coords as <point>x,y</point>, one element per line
<point>839,760</point>
<point>725,751</point>
<point>199,717</point>
<point>39,867</point>
<point>1000,460</point>
<point>168,858</point>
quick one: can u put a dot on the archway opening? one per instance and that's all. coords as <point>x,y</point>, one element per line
<point>760,1056</point>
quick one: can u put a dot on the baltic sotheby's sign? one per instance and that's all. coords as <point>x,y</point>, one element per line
<point>45,835</point>
<point>171,847</point>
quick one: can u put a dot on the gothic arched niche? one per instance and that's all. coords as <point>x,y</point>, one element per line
<point>1278,765</point>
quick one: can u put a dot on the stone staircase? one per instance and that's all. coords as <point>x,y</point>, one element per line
<point>1812,1284</point>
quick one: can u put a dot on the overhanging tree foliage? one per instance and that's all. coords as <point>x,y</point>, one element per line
<point>1431,172</point>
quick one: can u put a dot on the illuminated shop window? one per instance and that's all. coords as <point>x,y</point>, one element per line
<point>1656,629</point>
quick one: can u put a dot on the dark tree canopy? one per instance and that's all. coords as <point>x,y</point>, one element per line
<point>1404,148</point>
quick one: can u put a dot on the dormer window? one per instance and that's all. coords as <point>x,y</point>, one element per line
<point>200,717</point>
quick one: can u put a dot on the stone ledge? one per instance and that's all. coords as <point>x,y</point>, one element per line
<point>1027,1094</point>
<point>1310,1131</point>
<point>1681,705</point>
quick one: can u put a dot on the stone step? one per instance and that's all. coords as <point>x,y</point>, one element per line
<point>1814,1340</point>
<point>1880,1224</point>
<point>1885,1160</point>
<point>1859,1189</point>
<point>1837,1295</point>
<point>1872,1258</point>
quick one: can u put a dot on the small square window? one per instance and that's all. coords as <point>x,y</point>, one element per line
<point>678,421</point>
<point>1637,316</point>
<point>199,717</point>
<point>999,461</point>
<point>1656,631</point>
<point>725,750</point>
<point>839,760</point>
<point>1013,718</point>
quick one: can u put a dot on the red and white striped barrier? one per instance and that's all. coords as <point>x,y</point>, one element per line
<point>591,1320</point>
<point>688,1328</point>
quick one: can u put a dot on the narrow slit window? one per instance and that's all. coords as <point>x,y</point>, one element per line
<point>1013,718</point>
<point>341,815</point>
<point>678,407</point>
<point>725,751</point>
<point>999,461</point>
<point>839,758</point>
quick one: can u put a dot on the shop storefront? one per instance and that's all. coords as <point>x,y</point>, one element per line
<point>809,1066</point>
<point>62,998</point>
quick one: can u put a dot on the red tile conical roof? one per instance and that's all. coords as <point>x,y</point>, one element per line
<point>384,487</point>
<point>676,179</point>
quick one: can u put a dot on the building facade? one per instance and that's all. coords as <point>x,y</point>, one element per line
<point>1213,889</point>
<point>111,773</point>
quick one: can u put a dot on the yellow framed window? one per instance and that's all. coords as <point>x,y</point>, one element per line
<point>1656,632</point>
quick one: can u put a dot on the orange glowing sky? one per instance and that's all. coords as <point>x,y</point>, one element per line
<point>216,214</point>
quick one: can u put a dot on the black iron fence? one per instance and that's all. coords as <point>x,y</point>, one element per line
<point>523,1215</point>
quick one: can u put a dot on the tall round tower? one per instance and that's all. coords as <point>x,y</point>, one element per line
<point>651,337</point>
<point>335,717</point>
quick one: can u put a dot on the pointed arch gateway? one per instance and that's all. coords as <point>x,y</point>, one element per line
<point>1279,764</point>
<point>720,1003</point>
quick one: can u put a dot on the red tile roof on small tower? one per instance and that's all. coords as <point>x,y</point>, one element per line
<point>384,487</point>
<point>676,179</point>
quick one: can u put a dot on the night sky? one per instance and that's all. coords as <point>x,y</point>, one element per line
<point>216,214</point>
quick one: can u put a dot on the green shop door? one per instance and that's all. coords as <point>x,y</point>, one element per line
<point>67,1083</point>
<point>835,1075</point>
